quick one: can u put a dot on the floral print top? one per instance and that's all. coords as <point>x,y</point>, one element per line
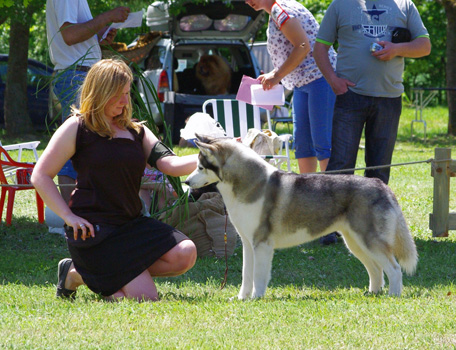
<point>279,47</point>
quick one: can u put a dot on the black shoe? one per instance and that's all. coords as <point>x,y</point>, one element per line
<point>329,239</point>
<point>62,292</point>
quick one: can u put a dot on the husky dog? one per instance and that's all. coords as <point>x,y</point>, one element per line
<point>273,209</point>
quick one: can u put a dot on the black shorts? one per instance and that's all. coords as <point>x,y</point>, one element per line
<point>120,254</point>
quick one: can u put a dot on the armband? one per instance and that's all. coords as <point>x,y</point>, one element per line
<point>159,150</point>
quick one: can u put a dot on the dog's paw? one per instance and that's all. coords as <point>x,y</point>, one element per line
<point>242,296</point>
<point>256,295</point>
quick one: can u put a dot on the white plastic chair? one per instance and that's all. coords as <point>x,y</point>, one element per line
<point>238,117</point>
<point>10,172</point>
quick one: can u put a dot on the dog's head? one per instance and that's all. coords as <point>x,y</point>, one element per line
<point>210,161</point>
<point>208,65</point>
<point>214,73</point>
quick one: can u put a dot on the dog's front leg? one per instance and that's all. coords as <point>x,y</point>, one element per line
<point>247,269</point>
<point>263,254</point>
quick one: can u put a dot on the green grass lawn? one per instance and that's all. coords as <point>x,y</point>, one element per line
<point>316,298</point>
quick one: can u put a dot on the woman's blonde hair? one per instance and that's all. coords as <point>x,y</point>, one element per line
<point>106,79</point>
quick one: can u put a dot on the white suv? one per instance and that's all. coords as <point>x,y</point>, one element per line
<point>213,28</point>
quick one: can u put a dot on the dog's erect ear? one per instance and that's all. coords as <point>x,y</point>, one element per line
<point>205,148</point>
<point>205,138</point>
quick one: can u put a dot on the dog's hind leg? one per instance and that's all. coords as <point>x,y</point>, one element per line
<point>380,256</point>
<point>248,261</point>
<point>374,270</point>
<point>392,269</point>
<point>263,252</point>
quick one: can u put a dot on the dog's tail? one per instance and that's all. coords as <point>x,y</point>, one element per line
<point>404,247</point>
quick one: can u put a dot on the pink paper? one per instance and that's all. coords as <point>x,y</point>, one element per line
<point>244,93</point>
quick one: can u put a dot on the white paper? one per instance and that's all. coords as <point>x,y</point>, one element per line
<point>272,97</point>
<point>134,20</point>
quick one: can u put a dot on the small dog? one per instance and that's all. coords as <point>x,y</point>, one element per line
<point>273,209</point>
<point>214,74</point>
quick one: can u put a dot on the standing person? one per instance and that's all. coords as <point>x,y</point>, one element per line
<point>73,39</point>
<point>114,250</point>
<point>368,84</point>
<point>291,36</point>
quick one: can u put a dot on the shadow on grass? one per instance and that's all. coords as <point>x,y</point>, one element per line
<point>431,141</point>
<point>29,256</point>
<point>334,267</point>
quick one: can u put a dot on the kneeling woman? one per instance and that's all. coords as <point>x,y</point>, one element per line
<point>114,250</point>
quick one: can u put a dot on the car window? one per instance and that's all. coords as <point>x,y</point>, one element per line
<point>186,58</point>
<point>195,23</point>
<point>232,23</point>
<point>36,75</point>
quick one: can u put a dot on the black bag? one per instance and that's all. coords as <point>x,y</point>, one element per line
<point>101,233</point>
<point>401,35</point>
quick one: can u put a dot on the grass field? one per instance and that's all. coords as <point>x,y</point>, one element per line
<point>317,298</point>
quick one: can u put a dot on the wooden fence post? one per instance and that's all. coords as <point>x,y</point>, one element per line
<point>439,219</point>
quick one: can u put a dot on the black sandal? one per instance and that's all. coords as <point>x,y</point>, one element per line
<point>62,292</point>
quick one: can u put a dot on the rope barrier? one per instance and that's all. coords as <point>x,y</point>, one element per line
<point>381,166</point>
<point>430,160</point>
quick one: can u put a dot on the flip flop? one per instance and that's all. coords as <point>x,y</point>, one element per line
<point>62,292</point>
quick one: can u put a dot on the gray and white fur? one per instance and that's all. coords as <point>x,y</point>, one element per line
<point>273,209</point>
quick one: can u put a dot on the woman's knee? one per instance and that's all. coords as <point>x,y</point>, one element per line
<point>187,254</point>
<point>182,257</point>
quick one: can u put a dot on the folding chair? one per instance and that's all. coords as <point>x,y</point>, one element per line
<point>238,117</point>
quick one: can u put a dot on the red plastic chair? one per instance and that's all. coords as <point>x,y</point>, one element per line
<point>8,164</point>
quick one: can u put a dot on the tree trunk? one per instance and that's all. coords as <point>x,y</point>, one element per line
<point>17,120</point>
<point>450,10</point>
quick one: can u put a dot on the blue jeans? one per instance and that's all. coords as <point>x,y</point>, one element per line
<point>66,88</point>
<point>313,106</point>
<point>379,116</point>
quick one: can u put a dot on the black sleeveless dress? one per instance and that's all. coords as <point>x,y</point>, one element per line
<point>106,194</point>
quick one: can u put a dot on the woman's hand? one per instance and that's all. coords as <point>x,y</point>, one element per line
<point>78,223</point>
<point>268,80</point>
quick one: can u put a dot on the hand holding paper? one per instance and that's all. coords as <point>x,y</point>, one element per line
<point>251,91</point>
<point>134,20</point>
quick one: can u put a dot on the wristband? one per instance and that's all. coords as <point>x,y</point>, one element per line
<point>159,150</point>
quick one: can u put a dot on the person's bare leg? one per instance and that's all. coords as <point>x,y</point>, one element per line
<point>307,165</point>
<point>65,191</point>
<point>324,164</point>
<point>175,262</point>
<point>141,288</point>
<point>73,279</point>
